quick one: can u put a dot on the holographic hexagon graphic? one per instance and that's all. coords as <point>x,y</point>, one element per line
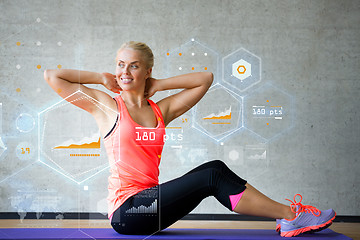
<point>268,111</point>
<point>69,140</point>
<point>192,56</point>
<point>241,70</point>
<point>222,116</point>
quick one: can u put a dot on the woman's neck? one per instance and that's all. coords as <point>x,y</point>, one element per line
<point>133,99</point>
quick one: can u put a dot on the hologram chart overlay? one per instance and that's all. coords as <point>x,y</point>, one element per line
<point>76,152</point>
<point>225,107</point>
<point>152,209</point>
<point>268,111</point>
<point>219,113</point>
<point>151,196</point>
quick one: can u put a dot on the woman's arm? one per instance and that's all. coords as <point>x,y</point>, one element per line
<point>195,86</point>
<point>66,82</point>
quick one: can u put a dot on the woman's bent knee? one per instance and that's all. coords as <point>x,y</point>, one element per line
<point>217,164</point>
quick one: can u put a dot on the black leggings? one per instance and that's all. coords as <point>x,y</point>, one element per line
<point>156,208</point>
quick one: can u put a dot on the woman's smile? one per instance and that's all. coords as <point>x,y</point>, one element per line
<point>126,80</point>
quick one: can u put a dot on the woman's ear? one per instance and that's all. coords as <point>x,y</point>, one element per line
<point>148,73</point>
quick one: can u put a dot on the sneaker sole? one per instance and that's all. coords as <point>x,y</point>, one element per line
<point>310,229</point>
<point>278,228</point>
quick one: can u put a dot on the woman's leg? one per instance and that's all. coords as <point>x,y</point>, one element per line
<point>180,196</point>
<point>255,203</point>
<point>252,202</point>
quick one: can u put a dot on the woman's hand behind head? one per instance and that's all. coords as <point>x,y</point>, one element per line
<point>109,81</point>
<point>151,87</point>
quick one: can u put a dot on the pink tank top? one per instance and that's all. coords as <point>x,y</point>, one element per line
<point>134,154</point>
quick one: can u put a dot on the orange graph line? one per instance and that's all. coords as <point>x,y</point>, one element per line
<point>221,117</point>
<point>85,145</point>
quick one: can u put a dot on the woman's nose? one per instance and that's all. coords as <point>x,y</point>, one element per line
<point>126,70</point>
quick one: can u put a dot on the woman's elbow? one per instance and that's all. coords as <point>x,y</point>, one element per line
<point>48,74</point>
<point>209,77</point>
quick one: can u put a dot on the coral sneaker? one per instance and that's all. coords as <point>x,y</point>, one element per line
<point>278,225</point>
<point>308,219</point>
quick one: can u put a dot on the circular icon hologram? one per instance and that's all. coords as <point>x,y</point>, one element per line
<point>25,122</point>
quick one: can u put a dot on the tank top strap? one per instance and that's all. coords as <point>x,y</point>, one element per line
<point>119,103</point>
<point>157,110</point>
<point>118,117</point>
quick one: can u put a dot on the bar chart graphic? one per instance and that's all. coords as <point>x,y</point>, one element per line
<point>152,209</point>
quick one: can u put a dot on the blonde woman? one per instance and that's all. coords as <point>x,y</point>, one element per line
<point>133,129</point>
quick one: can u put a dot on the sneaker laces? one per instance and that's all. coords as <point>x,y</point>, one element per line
<point>303,208</point>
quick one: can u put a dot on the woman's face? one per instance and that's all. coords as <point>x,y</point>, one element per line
<point>131,71</point>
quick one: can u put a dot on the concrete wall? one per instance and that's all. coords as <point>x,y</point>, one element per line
<point>304,58</point>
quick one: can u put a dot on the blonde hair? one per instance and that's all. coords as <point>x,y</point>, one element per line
<point>143,48</point>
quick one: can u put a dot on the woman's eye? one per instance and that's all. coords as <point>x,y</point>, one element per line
<point>121,65</point>
<point>134,66</point>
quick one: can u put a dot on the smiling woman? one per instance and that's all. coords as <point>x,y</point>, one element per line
<point>133,128</point>
<point>132,71</point>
